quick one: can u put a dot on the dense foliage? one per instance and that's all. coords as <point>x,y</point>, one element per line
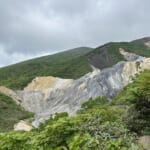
<point>10,113</point>
<point>70,64</point>
<point>137,96</point>
<point>98,126</point>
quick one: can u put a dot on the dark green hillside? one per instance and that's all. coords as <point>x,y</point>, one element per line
<point>69,64</point>
<point>108,54</point>
<point>10,113</point>
<point>137,96</point>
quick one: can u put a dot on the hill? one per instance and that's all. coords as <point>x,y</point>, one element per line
<point>70,64</point>
<point>67,64</point>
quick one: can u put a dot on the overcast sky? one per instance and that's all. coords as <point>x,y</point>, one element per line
<point>30,28</point>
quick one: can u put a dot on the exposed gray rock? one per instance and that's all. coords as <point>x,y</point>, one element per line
<point>107,82</point>
<point>130,56</point>
<point>97,83</point>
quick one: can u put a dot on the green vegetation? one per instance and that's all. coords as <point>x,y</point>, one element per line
<point>10,113</point>
<point>95,128</point>
<point>98,125</point>
<point>110,52</point>
<point>137,96</point>
<point>69,64</point>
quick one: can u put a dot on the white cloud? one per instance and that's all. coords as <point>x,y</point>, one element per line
<point>33,27</point>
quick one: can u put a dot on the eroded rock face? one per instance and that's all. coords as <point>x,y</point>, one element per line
<point>47,95</point>
<point>107,82</point>
<point>130,56</point>
<point>10,93</point>
<point>22,126</point>
<point>43,83</point>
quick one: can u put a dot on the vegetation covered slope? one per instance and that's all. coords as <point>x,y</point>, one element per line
<point>108,55</point>
<point>98,125</point>
<point>137,95</point>
<point>70,64</point>
<point>10,113</point>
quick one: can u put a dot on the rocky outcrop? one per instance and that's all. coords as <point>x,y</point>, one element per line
<point>47,95</point>
<point>10,93</point>
<point>44,101</point>
<point>43,83</point>
<point>130,56</point>
<point>22,126</point>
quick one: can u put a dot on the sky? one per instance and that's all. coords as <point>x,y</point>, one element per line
<point>31,28</point>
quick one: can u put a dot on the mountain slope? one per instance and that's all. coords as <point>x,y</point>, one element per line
<point>10,113</point>
<point>98,125</point>
<point>108,54</point>
<point>49,95</point>
<point>70,64</point>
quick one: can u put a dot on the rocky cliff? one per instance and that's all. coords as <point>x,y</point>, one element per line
<point>130,56</point>
<point>47,95</point>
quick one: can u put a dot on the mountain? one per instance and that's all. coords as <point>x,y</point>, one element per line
<point>46,96</point>
<point>70,64</point>
<point>106,108</point>
<point>100,124</point>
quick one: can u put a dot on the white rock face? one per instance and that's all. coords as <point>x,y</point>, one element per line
<point>47,95</point>
<point>107,82</point>
<point>22,126</point>
<point>43,83</point>
<point>10,93</point>
<point>130,56</point>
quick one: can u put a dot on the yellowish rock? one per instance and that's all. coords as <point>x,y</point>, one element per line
<point>49,82</point>
<point>22,126</point>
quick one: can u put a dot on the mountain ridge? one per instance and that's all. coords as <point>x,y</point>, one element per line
<point>53,98</point>
<point>69,64</point>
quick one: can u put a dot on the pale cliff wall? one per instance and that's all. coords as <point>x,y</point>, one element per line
<point>47,95</point>
<point>107,82</point>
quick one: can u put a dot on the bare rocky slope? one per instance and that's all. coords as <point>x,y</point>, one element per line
<point>47,95</point>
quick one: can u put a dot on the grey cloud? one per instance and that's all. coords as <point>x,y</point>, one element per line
<point>35,27</point>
